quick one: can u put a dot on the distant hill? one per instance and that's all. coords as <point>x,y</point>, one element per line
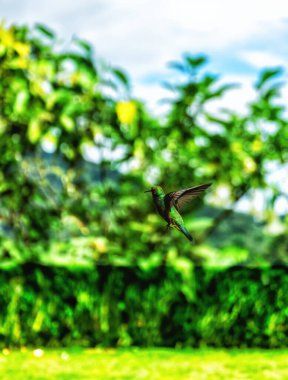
<point>240,230</point>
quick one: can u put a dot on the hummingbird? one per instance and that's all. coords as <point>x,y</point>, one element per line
<point>168,205</point>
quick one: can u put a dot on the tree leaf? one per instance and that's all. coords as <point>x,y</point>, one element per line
<point>122,77</point>
<point>195,61</point>
<point>84,45</point>
<point>268,74</point>
<point>34,131</point>
<point>45,30</point>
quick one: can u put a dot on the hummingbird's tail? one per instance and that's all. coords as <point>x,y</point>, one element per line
<point>185,232</point>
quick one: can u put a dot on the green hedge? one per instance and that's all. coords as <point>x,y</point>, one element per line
<point>112,306</point>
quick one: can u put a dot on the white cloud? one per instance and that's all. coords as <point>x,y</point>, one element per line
<point>260,59</point>
<point>142,36</point>
<point>146,34</point>
<point>235,99</point>
<point>153,95</point>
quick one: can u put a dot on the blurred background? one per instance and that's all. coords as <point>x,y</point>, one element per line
<point>101,100</point>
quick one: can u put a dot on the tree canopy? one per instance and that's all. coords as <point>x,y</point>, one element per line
<point>77,152</point>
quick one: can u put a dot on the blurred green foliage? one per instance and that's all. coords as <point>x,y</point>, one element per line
<point>120,306</point>
<point>78,151</point>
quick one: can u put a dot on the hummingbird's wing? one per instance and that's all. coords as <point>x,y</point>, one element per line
<point>182,197</point>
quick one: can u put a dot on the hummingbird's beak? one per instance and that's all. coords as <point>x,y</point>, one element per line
<point>147,191</point>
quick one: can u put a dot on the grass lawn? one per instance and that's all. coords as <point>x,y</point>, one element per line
<point>152,364</point>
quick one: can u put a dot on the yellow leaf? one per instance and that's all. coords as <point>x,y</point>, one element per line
<point>34,131</point>
<point>6,37</point>
<point>67,122</point>
<point>257,145</point>
<point>22,49</point>
<point>126,112</point>
<point>22,63</point>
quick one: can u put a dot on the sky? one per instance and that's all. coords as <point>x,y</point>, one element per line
<point>142,36</point>
<point>239,38</point>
